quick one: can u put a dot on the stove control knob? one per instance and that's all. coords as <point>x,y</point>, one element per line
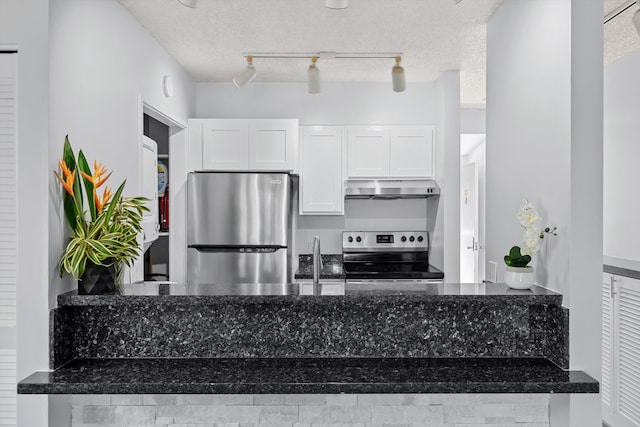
<point>411,239</point>
<point>350,239</point>
<point>420,238</point>
<point>358,239</point>
<point>403,238</point>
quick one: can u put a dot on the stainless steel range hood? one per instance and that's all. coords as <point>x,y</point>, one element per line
<point>390,189</point>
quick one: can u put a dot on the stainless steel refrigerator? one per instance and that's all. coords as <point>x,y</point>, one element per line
<point>239,228</point>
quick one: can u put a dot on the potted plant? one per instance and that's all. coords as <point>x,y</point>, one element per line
<point>105,232</point>
<point>518,274</point>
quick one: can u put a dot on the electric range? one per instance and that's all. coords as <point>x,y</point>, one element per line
<point>388,260</point>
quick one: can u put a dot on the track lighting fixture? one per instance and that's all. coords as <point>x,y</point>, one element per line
<point>313,72</point>
<point>397,76</point>
<point>336,4</point>
<point>314,76</point>
<point>247,75</point>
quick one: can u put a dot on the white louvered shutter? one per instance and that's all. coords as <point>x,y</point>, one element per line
<point>628,381</point>
<point>7,387</point>
<point>8,238</point>
<point>607,348</point>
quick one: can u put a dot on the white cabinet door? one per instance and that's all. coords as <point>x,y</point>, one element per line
<point>225,144</point>
<point>368,151</point>
<point>321,166</point>
<point>272,144</point>
<point>411,152</point>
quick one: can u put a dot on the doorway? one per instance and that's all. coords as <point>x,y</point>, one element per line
<point>472,207</point>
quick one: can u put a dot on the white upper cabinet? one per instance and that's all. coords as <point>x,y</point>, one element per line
<point>321,170</point>
<point>411,152</point>
<point>248,144</point>
<point>368,151</point>
<point>272,144</point>
<point>390,151</point>
<point>225,144</point>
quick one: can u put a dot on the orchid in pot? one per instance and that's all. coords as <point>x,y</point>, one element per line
<point>104,231</point>
<point>518,274</point>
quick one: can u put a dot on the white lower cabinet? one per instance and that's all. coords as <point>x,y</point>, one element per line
<point>321,170</point>
<point>620,384</point>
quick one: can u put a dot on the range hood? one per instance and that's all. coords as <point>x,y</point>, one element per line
<point>390,189</point>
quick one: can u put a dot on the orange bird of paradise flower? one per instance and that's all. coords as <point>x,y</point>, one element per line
<point>69,177</point>
<point>97,180</point>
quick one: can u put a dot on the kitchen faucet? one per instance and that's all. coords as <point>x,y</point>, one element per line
<point>317,265</point>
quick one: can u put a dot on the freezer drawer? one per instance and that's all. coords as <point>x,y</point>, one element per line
<point>228,266</point>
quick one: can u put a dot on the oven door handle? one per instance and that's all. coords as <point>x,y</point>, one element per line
<point>373,281</point>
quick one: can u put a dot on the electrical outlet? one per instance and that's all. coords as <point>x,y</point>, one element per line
<point>492,272</point>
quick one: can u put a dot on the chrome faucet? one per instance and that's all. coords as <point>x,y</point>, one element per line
<point>317,265</point>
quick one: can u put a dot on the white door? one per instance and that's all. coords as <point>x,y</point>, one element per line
<point>225,144</point>
<point>411,151</point>
<point>368,151</point>
<point>8,238</point>
<point>322,185</point>
<point>272,144</point>
<point>468,224</point>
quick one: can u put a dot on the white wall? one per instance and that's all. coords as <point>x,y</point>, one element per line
<point>338,104</point>
<point>529,130</point>
<point>103,65</point>
<point>24,26</point>
<point>473,120</point>
<point>544,142</point>
<point>621,154</point>
<point>446,235</point>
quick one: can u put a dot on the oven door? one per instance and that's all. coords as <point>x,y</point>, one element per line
<point>424,285</point>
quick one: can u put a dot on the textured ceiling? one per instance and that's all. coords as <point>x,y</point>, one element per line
<point>620,36</point>
<point>433,35</point>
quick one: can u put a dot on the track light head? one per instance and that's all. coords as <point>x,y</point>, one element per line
<point>247,75</point>
<point>636,20</point>
<point>397,76</point>
<point>336,4</point>
<point>314,76</point>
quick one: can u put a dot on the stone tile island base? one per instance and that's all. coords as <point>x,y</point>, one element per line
<point>309,410</point>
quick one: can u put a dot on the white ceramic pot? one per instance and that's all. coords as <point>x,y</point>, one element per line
<point>519,277</point>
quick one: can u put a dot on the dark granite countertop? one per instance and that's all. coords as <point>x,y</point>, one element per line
<point>288,294</point>
<point>331,267</point>
<point>309,375</point>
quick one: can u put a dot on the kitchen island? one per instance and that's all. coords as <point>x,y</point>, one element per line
<point>505,340</point>
<point>458,352</point>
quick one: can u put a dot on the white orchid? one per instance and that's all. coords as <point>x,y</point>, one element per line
<point>533,233</point>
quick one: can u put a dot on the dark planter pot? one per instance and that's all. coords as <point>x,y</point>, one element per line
<point>98,279</point>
